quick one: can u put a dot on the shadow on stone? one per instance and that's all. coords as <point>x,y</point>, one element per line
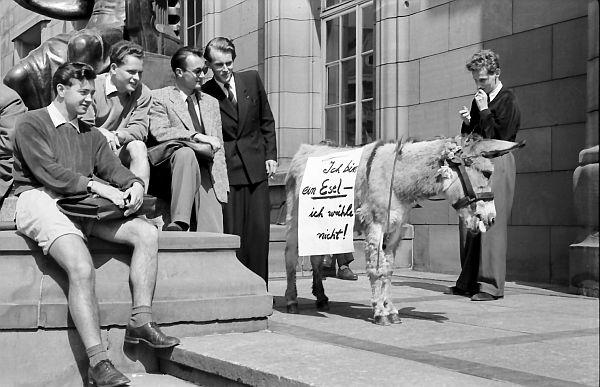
<point>78,353</point>
<point>421,285</point>
<point>410,312</point>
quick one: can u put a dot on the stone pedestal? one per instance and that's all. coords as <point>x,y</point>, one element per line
<point>583,256</point>
<point>201,288</point>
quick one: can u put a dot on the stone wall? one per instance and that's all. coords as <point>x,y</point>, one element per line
<point>294,73</point>
<point>422,49</point>
<point>244,22</point>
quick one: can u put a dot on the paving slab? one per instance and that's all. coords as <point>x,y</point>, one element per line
<point>537,335</point>
<point>542,358</point>
<point>269,359</point>
<point>156,380</point>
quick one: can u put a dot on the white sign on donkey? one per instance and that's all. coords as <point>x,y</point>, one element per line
<point>326,204</point>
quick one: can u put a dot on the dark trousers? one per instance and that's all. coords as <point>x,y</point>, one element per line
<point>483,255</point>
<point>342,259</point>
<point>247,214</point>
<point>191,190</point>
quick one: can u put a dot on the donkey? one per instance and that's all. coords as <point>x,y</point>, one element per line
<point>390,179</point>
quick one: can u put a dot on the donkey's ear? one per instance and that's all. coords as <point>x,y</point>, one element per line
<point>492,148</point>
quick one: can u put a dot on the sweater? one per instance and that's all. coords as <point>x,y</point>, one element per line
<point>500,121</point>
<point>62,159</point>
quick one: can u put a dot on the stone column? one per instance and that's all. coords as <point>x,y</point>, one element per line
<point>583,256</point>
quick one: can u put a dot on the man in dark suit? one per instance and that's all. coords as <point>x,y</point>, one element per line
<point>250,152</point>
<point>182,115</point>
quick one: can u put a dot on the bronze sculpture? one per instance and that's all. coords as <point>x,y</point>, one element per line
<point>108,21</point>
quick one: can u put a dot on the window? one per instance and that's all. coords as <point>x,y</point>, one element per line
<point>193,23</point>
<point>350,74</point>
<point>168,19</point>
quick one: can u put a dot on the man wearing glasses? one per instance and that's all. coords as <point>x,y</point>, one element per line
<point>183,112</point>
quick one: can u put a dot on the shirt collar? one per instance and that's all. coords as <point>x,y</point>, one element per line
<point>109,85</point>
<point>231,84</point>
<point>496,90</point>
<point>184,96</point>
<point>58,119</point>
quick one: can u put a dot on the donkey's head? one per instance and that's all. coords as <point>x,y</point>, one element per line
<point>465,172</point>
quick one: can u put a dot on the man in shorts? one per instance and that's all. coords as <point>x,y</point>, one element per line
<point>55,155</point>
<point>120,107</point>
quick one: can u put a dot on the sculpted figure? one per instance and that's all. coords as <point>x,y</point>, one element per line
<point>32,76</point>
<point>106,25</point>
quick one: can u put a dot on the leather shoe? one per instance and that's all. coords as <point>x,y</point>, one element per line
<point>483,296</point>
<point>346,274</point>
<point>173,227</point>
<point>151,335</point>
<point>453,290</point>
<point>292,308</point>
<point>104,374</point>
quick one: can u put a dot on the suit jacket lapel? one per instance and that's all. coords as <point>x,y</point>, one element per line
<point>224,103</point>
<point>180,109</point>
<point>242,101</point>
<point>207,117</point>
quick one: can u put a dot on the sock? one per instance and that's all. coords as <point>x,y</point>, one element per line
<point>140,315</point>
<point>96,354</point>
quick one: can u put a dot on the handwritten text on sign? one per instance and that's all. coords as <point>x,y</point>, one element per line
<point>326,204</point>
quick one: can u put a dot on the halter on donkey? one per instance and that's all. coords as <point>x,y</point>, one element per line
<point>385,196</point>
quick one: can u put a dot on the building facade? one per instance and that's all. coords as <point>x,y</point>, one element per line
<point>355,71</point>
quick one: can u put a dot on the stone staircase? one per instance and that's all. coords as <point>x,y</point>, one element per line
<point>201,289</point>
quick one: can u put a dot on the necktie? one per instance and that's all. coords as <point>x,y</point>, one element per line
<point>230,96</point>
<point>194,115</point>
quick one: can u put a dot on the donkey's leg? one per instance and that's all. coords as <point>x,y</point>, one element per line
<point>291,261</point>
<point>374,255</point>
<point>317,286</point>
<point>391,244</point>
<point>291,248</point>
<point>393,315</point>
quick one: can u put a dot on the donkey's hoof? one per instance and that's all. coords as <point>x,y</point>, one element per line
<point>292,308</point>
<point>381,320</point>
<point>323,305</point>
<point>394,318</point>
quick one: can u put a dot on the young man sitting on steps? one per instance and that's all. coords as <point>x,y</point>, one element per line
<point>57,154</point>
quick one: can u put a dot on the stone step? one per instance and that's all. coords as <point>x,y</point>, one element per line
<point>201,288</point>
<point>156,380</point>
<point>269,358</point>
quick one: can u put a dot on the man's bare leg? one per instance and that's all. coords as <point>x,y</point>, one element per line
<point>136,155</point>
<point>71,253</point>
<point>143,237</point>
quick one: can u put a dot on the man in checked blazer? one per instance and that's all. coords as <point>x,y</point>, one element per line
<point>250,151</point>
<point>183,112</point>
